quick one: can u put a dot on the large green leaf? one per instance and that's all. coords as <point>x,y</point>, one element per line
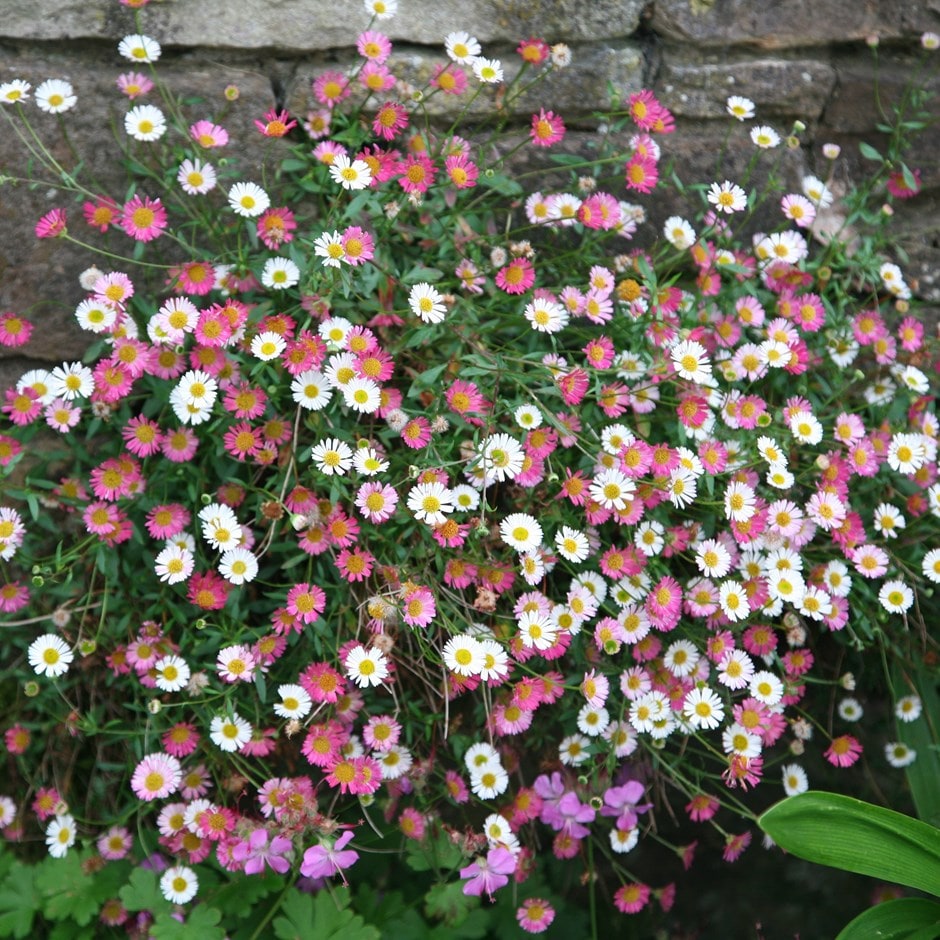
<point>901,919</point>
<point>846,833</point>
<point>19,902</point>
<point>923,736</point>
<point>323,917</point>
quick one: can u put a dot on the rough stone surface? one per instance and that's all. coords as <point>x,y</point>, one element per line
<point>779,87</point>
<point>574,91</point>
<point>791,23</point>
<point>39,279</point>
<point>303,25</point>
<point>797,59</point>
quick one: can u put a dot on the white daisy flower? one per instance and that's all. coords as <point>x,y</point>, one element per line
<point>332,456</point>
<point>140,49</point>
<point>366,667</point>
<point>462,47</point>
<point>50,655</point>
<point>703,709</point>
<point>55,96</point>
<point>280,274</point>
<point>171,673</point>
<point>295,702</point>
<point>521,532</point>
<point>488,71</point>
<point>179,884</point>
<point>794,779</point>
<point>230,732</point>
<point>350,174</point>
<point>196,178</point>
<point>145,122</point>
<point>238,566</point>
<point>268,345</point>
<point>60,835</point>
<point>311,390</point>
<point>430,502</point>
<point>464,655</point>
<point>248,200</point>
<point>426,303</point>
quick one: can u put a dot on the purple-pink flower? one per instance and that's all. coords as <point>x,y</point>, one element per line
<point>256,851</point>
<point>324,861</point>
<point>489,874</point>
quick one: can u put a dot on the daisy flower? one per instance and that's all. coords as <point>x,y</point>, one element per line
<point>14,92</point>
<point>727,197</point>
<point>145,123</point>
<point>230,732</point>
<point>156,777</point>
<point>179,884</point>
<point>171,673</point>
<point>267,345</point>
<point>295,702</point>
<point>679,232</point>
<point>899,755</point>
<point>703,709</point>
<point>350,174</point>
<point>329,247</point>
<point>464,655</point>
<point>764,137</point>
<point>896,597</point>
<point>311,390</point>
<point>431,502</point>
<point>691,361</point>
<point>55,96</point>
<point>488,71</point>
<point>366,667</point>
<point>462,47</point>
<point>248,200</point>
<point>139,48</point>
<point>794,779</point>
<point>489,783</point>
<point>521,532</point>
<point>238,566</point>
<point>332,457</point>
<point>426,303</point>
<point>196,178</point>
<point>280,274</point>
<point>572,544</point>
<point>60,835</point>
<point>50,655</point>
<point>740,108</point>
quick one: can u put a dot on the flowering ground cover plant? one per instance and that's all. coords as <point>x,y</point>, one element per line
<point>400,509</point>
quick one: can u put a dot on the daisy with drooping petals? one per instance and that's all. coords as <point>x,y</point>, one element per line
<point>179,884</point>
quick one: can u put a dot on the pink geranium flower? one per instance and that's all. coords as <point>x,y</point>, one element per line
<point>489,873</point>
<point>325,860</point>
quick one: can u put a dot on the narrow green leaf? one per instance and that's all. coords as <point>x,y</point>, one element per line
<point>922,736</point>
<point>901,919</point>
<point>869,152</point>
<point>846,833</point>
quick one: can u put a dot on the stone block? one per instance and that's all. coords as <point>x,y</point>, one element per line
<point>791,23</point>
<point>779,87</point>
<point>300,25</point>
<point>577,90</point>
<point>39,278</point>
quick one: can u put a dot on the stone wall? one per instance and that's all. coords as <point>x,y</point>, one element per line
<point>801,60</point>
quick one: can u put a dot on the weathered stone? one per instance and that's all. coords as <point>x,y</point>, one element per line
<point>788,88</point>
<point>300,25</point>
<point>39,278</point>
<point>583,87</point>
<point>791,23</point>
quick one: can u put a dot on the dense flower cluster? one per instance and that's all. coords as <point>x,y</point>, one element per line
<point>370,506</point>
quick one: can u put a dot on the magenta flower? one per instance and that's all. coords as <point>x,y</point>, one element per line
<point>323,861</point>
<point>255,852</point>
<point>489,874</point>
<point>622,802</point>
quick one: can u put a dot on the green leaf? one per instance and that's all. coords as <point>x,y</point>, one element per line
<point>322,918</point>
<point>922,737</point>
<point>901,919</point>
<point>846,833</point>
<point>202,923</point>
<point>19,902</point>
<point>869,152</point>
<point>240,897</point>
<point>420,273</point>
<point>68,892</point>
<point>142,893</point>
<point>447,902</point>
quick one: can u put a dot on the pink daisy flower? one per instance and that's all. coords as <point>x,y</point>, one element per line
<point>547,129</point>
<point>306,602</point>
<point>14,329</point>
<point>156,777</point>
<point>143,218</point>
